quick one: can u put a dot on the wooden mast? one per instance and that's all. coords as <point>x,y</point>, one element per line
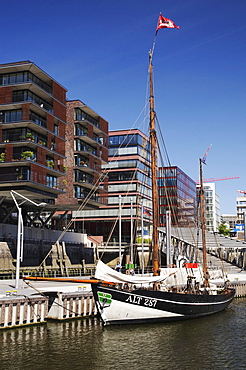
<point>203,225</point>
<point>153,145</point>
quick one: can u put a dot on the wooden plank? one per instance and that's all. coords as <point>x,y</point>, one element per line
<point>2,315</point>
<point>76,306</point>
<point>71,307</point>
<point>65,308</point>
<point>31,312</point>
<point>10,313</point>
<point>25,306</point>
<point>17,313</point>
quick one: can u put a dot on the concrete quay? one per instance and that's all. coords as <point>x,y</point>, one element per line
<point>36,302</point>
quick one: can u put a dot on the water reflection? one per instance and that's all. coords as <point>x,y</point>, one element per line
<point>214,342</point>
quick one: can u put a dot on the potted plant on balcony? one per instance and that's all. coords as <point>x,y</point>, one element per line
<point>50,163</point>
<point>28,155</point>
<point>29,136</point>
<point>2,157</point>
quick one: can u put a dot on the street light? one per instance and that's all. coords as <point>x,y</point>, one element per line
<point>20,231</point>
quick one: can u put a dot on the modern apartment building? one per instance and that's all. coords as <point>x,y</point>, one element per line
<point>177,195</point>
<point>86,150</point>
<point>212,207</point>
<point>32,133</point>
<point>241,209</point>
<point>128,172</point>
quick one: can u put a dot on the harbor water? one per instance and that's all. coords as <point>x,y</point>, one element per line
<point>213,342</point>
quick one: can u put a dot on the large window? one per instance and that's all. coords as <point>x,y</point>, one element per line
<point>80,176</point>
<point>51,181</point>
<point>11,116</point>
<point>22,77</point>
<point>81,146</point>
<point>125,140</point>
<point>26,95</point>
<point>79,115</point>
<point>81,193</point>
<point>80,130</point>
<point>37,119</point>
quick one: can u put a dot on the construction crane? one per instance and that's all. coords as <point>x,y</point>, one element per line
<point>219,179</point>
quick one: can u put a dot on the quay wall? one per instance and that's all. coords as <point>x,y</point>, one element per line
<point>234,256</point>
<point>240,288</point>
<point>70,305</point>
<point>38,247</point>
<point>22,311</point>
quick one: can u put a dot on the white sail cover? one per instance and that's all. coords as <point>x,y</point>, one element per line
<point>104,272</point>
<point>170,276</point>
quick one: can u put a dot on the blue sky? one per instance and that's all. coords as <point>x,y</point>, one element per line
<point>98,50</point>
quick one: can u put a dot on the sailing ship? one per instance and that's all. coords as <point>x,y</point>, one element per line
<point>124,299</point>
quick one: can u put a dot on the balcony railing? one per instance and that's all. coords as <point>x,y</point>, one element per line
<point>10,137</point>
<point>85,178</point>
<point>81,147</point>
<point>21,174</point>
<point>23,77</point>
<point>82,116</point>
<point>25,95</point>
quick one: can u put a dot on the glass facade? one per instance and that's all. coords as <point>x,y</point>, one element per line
<point>129,178</point>
<point>132,144</point>
<point>177,193</point>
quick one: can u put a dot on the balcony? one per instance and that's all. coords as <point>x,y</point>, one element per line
<point>82,116</point>
<point>27,96</point>
<point>24,77</point>
<point>82,147</point>
<point>15,136</point>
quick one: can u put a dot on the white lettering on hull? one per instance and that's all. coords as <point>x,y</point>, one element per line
<point>149,302</point>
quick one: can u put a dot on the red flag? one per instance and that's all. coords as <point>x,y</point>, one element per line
<point>165,23</point>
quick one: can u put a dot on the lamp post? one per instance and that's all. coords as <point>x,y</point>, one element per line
<point>120,228</point>
<point>131,254</point>
<point>20,231</point>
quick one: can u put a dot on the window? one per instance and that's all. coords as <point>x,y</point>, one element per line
<point>56,129</point>
<point>25,95</point>
<point>37,119</point>
<point>21,77</point>
<point>12,116</point>
<point>79,115</point>
<point>51,181</point>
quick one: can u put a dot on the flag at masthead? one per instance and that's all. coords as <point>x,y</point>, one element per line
<point>165,23</point>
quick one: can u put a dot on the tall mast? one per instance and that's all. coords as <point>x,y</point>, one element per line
<point>203,224</point>
<point>153,145</point>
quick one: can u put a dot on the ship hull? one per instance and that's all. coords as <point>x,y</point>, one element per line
<point>148,306</point>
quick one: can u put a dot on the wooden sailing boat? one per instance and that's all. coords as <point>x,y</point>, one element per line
<point>144,300</point>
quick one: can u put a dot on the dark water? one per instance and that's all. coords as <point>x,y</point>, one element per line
<point>215,342</point>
